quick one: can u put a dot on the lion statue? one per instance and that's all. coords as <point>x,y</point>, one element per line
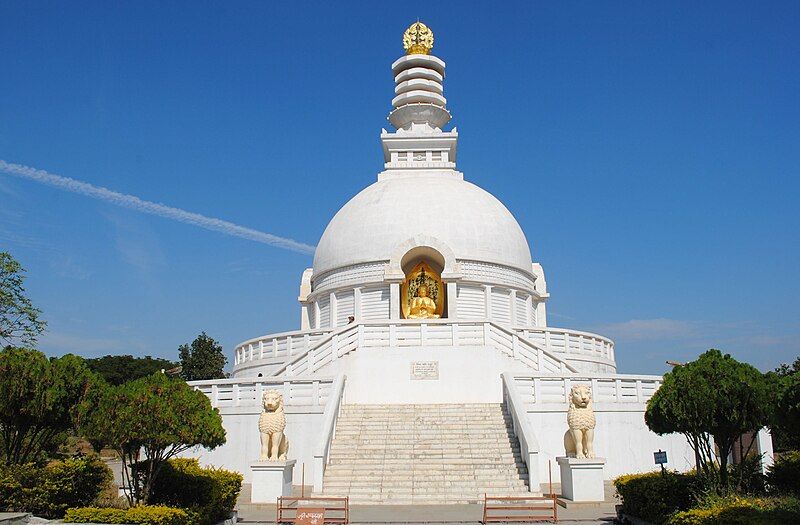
<point>580,418</point>
<point>271,424</point>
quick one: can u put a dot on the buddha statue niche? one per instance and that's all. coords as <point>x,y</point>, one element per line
<point>422,306</point>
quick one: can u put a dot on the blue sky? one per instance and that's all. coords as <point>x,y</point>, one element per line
<point>649,151</point>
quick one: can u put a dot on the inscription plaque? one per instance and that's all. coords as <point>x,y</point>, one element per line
<point>422,370</point>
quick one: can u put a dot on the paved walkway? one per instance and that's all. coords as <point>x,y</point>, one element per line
<point>419,514</point>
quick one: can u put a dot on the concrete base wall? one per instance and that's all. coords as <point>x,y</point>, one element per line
<point>620,436</point>
<point>383,375</point>
<point>243,444</point>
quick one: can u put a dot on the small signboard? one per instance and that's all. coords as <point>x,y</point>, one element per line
<point>310,516</point>
<point>424,370</point>
<point>660,457</point>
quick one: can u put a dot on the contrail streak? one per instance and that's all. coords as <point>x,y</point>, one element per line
<point>153,208</point>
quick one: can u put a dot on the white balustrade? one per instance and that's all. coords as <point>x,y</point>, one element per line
<point>431,333</point>
<point>562,341</point>
<point>540,390</point>
<point>298,391</point>
<point>285,344</point>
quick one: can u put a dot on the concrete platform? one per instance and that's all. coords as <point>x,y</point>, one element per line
<point>418,514</point>
<point>13,518</point>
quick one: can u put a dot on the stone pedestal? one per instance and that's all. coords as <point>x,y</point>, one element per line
<point>582,479</point>
<point>270,480</point>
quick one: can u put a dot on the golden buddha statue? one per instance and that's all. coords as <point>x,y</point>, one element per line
<point>422,306</point>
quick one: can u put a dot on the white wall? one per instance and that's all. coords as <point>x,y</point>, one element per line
<point>243,444</point>
<point>620,436</point>
<point>383,375</point>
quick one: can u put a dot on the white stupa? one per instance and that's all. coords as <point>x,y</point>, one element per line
<point>421,210</point>
<point>424,307</point>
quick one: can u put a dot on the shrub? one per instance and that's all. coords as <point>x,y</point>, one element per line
<point>784,476</point>
<point>653,497</point>
<point>49,491</point>
<point>209,492</point>
<point>142,515</point>
<point>738,510</point>
<point>747,476</point>
<point>38,401</point>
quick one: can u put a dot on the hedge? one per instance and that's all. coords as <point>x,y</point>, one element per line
<point>209,493</point>
<point>738,510</point>
<point>50,490</point>
<point>653,496</point>
<point>141,515</point>
<point>784,475</point>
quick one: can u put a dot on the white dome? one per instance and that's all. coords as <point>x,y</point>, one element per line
<point>469,221</point>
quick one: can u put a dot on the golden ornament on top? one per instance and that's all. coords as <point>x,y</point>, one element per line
<point>418,39</point>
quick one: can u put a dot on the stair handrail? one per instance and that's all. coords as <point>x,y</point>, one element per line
<point>565,367</point>
<point>304,354</point>
<point>329,417</point>
<point>528,444</point>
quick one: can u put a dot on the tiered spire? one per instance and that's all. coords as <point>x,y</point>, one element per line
<point>420,110</point>
<point>418,80</point>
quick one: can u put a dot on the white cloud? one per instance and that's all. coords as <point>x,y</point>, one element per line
<point>153,208</point>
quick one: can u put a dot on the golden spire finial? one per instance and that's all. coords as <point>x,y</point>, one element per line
<point>418,39</point>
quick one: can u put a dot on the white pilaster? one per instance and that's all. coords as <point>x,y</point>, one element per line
<point>357,303</point>
<point>334,310</point>
<point>452,301</point>
<point>394,297</point>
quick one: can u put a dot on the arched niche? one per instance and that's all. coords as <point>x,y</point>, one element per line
<point>422,292</point>
<point>419,254</point>
<point>422,247</point>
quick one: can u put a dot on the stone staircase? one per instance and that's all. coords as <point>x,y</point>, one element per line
<point>424,454</point>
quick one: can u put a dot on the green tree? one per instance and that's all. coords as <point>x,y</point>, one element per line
<point>786,370</point>
<point>38,400</point>
<point>118,369</point>
<point>147,422</point>
<point>19,319</point>
<point>715,397</point>
<point>202,360</point>
<point>785,424</point>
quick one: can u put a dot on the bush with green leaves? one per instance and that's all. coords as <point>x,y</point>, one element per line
<point>783,477</point>
<point>653,496</point>
<point>740,510</point>
<point>149,421</point>
<point>39,400</point>
<point>50,490</point>
<point>208,492</point>
<point>141,515</point>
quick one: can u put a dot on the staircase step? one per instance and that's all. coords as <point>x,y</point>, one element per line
<point>424,454</point>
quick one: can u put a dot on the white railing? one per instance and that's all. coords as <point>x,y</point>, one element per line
<point>560,342</point>
<point>428,333</point>
<point>563,341</point>
<point>247,392</point>
<point>541,391</point>
<point>284,344</point>
<point>327,432</point>
<point>528,444</point>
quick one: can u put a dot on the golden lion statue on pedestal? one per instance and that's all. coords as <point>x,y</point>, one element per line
<point>271,424</point>
<point>578,440</point>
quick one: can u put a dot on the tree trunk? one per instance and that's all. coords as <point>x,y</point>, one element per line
<point>724,451</point>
